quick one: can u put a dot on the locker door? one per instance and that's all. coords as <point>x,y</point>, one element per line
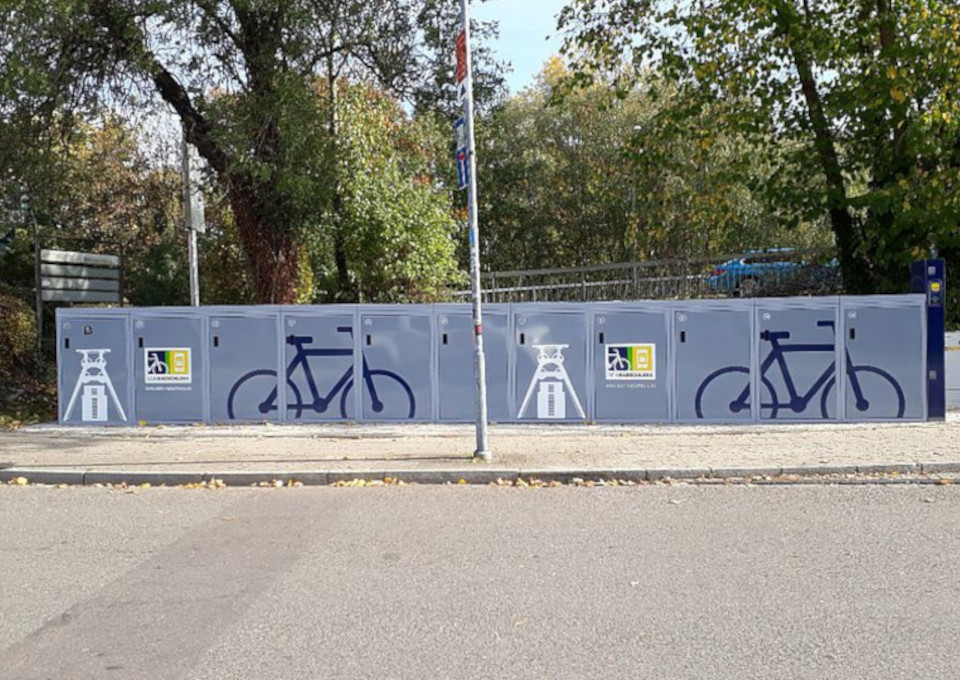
<point>885,362</point>
<point>168,369</point>
<point>797,362</point>
<point>630,366</point>
<point>94,372</point>
<point>318,354</point>
<point>243,369</point>
<point>396,367</point>
<point>713,365</point>
<point>458,394</point>
<point>551,360</point>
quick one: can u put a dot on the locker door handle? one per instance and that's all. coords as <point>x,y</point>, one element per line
<point>216,340</point>
<point>853,333</point>
<point>66,343</point>
<point>139,342</point>
<point>600,338</point>
<point>683,336</point>
<point>445,338</point>
<point>522,339</point>
<point>369,339</point>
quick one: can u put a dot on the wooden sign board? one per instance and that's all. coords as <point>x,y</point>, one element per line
<point>70,257</point>
<point>69,276</point>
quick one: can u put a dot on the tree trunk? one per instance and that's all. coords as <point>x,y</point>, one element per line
<point>272,255</point>
<point>856,272</point>
<point>271,252</point>
<point>344,292</point>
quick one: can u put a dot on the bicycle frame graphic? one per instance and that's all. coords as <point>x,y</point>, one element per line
<point>771,404</point>
<point>318,403</point>
<point>615,362</point>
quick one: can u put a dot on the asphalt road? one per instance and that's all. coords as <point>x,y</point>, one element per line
<point>433,582</point>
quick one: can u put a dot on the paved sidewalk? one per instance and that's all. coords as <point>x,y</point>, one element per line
<point>344,451</point>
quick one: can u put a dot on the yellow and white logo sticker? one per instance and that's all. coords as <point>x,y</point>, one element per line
<point>166,366</point>
<point>631,362</point>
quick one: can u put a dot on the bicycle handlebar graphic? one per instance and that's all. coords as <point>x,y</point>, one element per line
<point>770,336</point>
<point>298,340</point>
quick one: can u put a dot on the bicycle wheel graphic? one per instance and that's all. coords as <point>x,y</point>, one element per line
<point>619,364</point>
<point>882,398</point>
<point>390,390</point>
<point>719,396</point>
<point>251,398</point>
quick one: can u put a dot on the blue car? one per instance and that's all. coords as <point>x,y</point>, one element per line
<point>767,271</point>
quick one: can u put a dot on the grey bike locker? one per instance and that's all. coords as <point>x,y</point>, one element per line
<point>713,359</point>
<point>798,358</point>
<point>168,363</point>
<point>884,339</point>
<point>550,365</point>
<point>630,360</point>
<point>94,370</point>
<point>319,349</point>
<point>396,376</point>
<point>242,353</point>
<point>457,377</point>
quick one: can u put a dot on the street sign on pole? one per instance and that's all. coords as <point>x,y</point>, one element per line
<point>462,54</point>
<point>465,76</point>
<point>463,165</point>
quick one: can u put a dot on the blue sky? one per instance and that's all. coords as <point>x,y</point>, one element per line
<point>524,27</point>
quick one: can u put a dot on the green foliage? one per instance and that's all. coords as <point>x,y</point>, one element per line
<point>590,177</point>
<point>18,335</point>
<point>27,393</point>
<point>224,275</point>
<point>289,160</point>
<point>439,21</point>
<point>865,96</point>
<point>240,77</point>
<point>159,274</point>
<point>395,219</point>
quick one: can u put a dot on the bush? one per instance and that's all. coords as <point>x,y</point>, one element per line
<point>18,336</point>
<point>27,393</point>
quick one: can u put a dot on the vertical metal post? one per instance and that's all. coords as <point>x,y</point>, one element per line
<point>188,222</point>
<point>38,290</point>
<point>930,278</point>
<point>483,450</point>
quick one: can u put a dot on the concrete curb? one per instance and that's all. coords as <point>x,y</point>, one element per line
<point>482,476</point>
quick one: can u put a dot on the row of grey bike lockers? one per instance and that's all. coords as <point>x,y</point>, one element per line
<point>656,362</point>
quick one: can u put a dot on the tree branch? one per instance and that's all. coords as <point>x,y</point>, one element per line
<point>127,41</point>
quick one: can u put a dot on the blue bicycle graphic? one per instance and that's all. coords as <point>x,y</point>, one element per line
<point>262,385</point>
<point>876,393</point>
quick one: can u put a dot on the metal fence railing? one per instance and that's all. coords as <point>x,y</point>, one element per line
<point>750,274</point>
